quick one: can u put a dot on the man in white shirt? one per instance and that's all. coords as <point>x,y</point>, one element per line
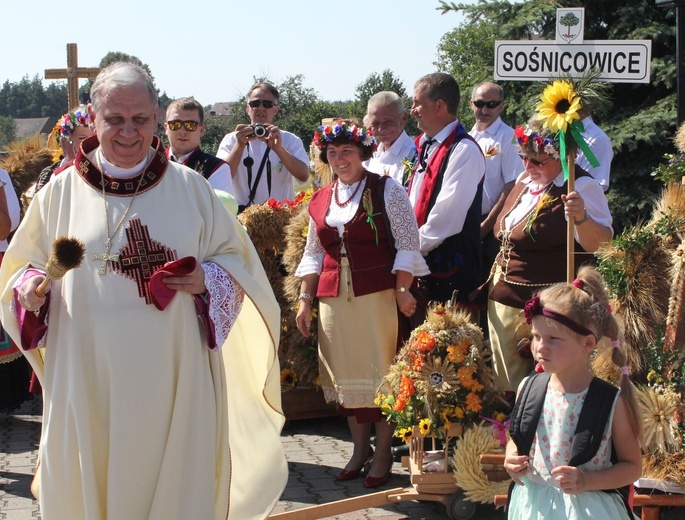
<point>600,144</point>
<point>446,191</point>
<point>264,159</point>
<point>396,152</point>
<point>495,138</point>
<point>185,127</point>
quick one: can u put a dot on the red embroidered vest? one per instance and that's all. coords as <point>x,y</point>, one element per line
<point>370,263</point>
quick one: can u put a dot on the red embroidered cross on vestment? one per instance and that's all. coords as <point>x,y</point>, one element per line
<point>141,256</point>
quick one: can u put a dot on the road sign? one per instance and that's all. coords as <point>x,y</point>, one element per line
<point>621,61</point>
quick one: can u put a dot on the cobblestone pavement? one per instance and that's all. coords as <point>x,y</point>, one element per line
<point>316,450</point>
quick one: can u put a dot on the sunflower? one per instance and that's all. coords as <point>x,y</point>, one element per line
<point>288,377</point>
<point>559,106</point>
<point>425,426</point>
<point>405,434</point>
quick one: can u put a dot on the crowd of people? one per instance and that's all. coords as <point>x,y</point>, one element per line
<point>168,330</point>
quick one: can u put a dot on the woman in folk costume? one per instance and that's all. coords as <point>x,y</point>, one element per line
<point>15,372</point>
<point>361,257</point>
<point>161,382</point>
<point>532,230</point>
<point>72,128</point>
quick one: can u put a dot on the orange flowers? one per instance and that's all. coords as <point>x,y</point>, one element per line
<point>424,341</point>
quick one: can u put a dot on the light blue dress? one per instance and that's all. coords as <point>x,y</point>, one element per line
<point>541,498</point>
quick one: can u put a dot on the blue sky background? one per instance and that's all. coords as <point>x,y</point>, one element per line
<point>212,49</point>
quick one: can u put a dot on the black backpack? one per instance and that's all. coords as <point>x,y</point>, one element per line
<point>589,430</point>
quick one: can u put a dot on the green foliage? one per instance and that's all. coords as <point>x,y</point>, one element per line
<point>27,98</point>
<point>665,366</point>
<point>672,171</point>
<point>215,130</point>
<point>630,245</point>
<point>8,130</point>
<point>644,115</point>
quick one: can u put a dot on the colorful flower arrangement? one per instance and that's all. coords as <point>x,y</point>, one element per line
<point>328,133</point>
<point>527,137</point>
<point>440,377</point>
<point>69,121</point>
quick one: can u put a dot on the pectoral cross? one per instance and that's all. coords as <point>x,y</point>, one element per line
<point>72,74</point>
<point>105,257</point>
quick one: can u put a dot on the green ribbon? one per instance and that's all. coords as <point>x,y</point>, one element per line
<point>369,219</point>
<point>575,129</point>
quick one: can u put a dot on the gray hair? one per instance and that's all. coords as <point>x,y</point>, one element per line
<point>121,74</point>
<point>386,98</point>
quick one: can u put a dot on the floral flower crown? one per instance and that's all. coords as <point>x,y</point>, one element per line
<point>328,133</point>
<point>71,120</point>
<point>527,137</point>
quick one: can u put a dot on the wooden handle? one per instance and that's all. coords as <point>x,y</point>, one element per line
<point>43,287</point>
<point>570,224</point>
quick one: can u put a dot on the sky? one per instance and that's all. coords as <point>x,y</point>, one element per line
<point>212,50</point>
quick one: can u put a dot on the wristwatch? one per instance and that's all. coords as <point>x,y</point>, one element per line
<point>401,289</point>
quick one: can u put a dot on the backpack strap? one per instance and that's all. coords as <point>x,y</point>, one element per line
<point>527,410</point>
<point>592,421</point>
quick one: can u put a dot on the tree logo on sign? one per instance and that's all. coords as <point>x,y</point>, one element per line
<point>569,25</point>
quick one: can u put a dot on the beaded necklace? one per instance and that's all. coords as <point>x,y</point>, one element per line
<point>335,192</point>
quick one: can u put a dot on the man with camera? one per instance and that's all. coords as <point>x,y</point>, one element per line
<point>263,158</point>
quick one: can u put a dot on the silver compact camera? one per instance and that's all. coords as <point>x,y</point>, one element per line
<point>258,130</point>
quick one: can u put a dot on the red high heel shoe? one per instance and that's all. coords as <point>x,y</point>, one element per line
<point>374,482</point>
<point>351,474</point>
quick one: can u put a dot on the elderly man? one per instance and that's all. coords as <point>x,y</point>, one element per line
<point>185,126</point>
<point>264,159</point>
<point>495,138</point>
<point>137,410</point>
<point>396,152</point>
<point>446,191</point>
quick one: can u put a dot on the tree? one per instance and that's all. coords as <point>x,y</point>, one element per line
<point>8,130</point>
<point>569,20</point>
<point>638,126</point>
<point>27,98</point>
<point>113,57</point>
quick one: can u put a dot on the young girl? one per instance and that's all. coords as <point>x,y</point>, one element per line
<point>567,321</point>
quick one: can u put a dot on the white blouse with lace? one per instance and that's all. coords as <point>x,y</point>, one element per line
<point>402,226</point>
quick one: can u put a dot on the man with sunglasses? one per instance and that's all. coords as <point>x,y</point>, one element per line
<point>263,167</point>
<point>502,164</point>
<point>185,127</point>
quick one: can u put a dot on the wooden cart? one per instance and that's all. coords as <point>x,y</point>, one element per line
<point>435,486</point>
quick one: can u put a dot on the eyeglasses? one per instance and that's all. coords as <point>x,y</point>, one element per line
<point>533,161</point>
<point>479,103</point>
<point>175,125</point>
<point>255,103</point>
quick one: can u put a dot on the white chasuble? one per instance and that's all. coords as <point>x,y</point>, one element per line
<point>141,420</point>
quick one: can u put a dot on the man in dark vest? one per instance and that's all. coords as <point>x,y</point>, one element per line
<point>185,127</point>
<point>446,192</point>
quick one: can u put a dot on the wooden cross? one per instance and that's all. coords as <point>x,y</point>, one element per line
<point>72,73</point>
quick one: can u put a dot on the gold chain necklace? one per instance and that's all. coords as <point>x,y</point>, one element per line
<point>507,245</point>
<point>105,256</point>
